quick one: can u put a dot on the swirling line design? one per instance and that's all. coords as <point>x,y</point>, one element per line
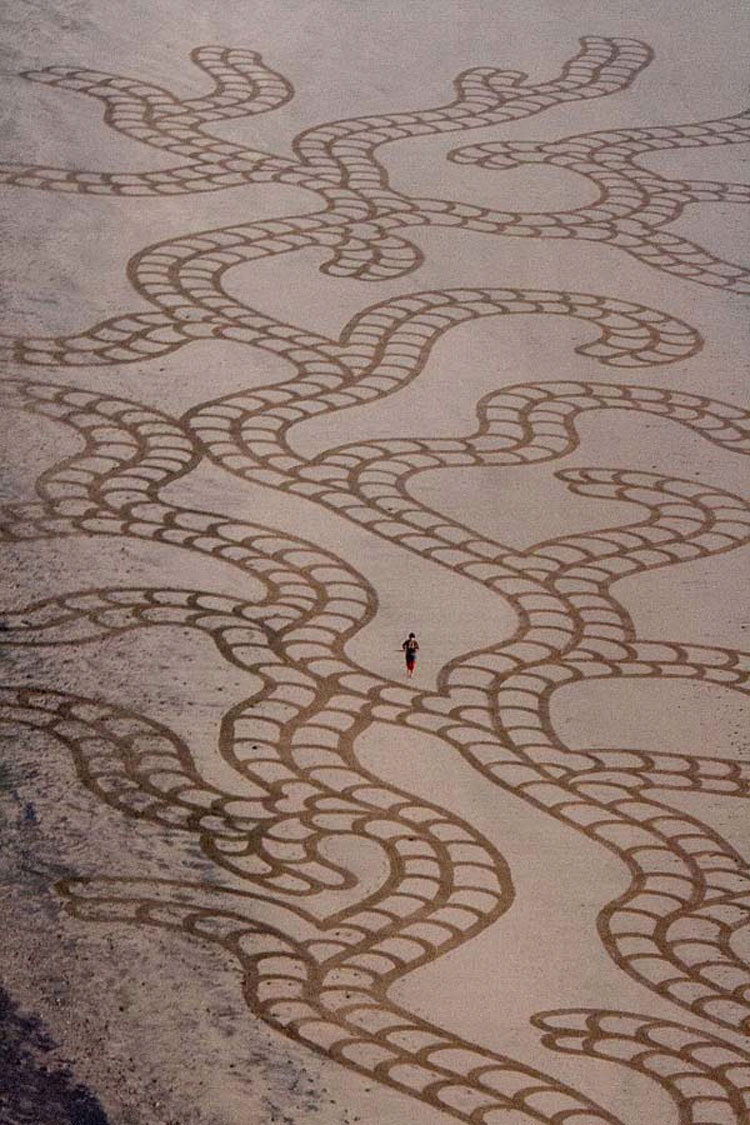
<point>319,941</point>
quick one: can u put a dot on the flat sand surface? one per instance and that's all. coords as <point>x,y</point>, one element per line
<point>323,323</point>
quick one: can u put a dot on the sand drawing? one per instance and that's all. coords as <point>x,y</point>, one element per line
<point>322,973</point>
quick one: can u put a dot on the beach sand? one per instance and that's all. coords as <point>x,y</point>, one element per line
<point>251,873</point>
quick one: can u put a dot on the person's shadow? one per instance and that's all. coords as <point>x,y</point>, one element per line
<point>32,1093</point>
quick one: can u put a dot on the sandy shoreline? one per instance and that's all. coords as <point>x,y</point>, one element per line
<point>307,343</point>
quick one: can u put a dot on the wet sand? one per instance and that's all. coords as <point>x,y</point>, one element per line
<point>322,323</point>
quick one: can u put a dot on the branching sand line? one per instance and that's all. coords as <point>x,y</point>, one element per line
<point>322,974</point>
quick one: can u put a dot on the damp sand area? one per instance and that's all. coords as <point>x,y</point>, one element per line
<point>324,324</point>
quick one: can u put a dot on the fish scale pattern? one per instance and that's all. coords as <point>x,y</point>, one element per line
<point>320,941</point>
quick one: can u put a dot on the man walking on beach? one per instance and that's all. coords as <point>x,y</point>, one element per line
<point>411,648</point>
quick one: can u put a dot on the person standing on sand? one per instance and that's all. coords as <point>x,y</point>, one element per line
<point>411,648</point>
